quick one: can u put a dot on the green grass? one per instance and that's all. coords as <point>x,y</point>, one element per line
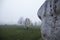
<point>14,32</point>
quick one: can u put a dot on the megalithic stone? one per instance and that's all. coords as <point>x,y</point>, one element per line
<point>49,13</point>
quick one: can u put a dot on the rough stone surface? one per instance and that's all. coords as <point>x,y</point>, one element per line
<point>49,13</point>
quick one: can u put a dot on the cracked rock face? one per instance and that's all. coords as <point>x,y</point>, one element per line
<point>49,13</point>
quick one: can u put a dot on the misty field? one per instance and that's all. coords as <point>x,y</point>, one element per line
<point>14,32</point>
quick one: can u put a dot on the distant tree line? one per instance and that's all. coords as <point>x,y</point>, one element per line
<point>27,22</point>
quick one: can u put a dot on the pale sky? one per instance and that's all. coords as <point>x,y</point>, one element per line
<point>12,10</point>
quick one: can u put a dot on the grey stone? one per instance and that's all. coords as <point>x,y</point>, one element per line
<point>49,13</point>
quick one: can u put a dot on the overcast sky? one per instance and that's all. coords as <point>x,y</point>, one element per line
<point>12,10</point>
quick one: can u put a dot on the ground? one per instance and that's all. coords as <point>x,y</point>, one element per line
<point>14,32</point>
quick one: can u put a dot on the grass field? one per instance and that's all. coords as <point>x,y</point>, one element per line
<point>14,32</point>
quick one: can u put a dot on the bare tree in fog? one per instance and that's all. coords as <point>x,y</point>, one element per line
<point>21,21</point>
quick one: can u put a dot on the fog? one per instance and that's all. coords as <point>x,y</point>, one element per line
<point>12,10</point>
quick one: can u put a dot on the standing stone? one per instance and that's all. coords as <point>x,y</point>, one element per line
<point>49,13</point>
<point>27,23</point>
